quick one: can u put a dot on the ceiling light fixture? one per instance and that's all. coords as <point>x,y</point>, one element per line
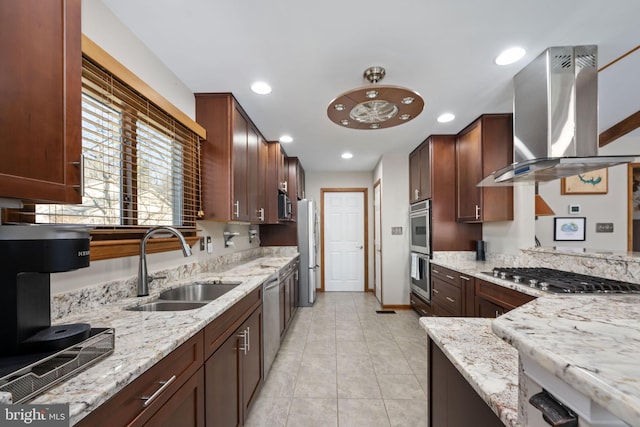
<point>286,139</point>
<point>509,56</point>
<point>375,107</point>
<point>445,118</point>
<point>346,155</point>
<point>261,88</point>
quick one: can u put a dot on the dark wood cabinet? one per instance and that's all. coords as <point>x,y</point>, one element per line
<point>222,383</point>
<point>251,360</point>
<point>420,173</point>
<point>288,295</point>
<point>451,292</point>
<point>419,305</point>
<point>40,106</point>
<point>185,408</point>
<point>493,300</point>
<point>432,175</point>
<point>483,147</point>
<point>275,180</point>
<point>452,400</point>
<point>169,375</point>
<point>260,204</point>
<point>230,160</point>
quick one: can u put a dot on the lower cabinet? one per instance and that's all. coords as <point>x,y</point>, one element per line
<point>453,402</point>
<point>185,408</point>
<point>492,300</point>
<point>289,282</point>
<point>210,380</point>
<point>233,374</point>
<point>419,305</point>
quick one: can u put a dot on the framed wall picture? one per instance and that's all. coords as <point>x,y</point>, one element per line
<point>594,182</point>
<point>569,228</point>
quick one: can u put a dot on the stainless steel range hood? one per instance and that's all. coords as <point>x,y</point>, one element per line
<point>555,119</point>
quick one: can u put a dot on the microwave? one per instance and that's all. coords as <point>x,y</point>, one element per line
<point>284,207</point>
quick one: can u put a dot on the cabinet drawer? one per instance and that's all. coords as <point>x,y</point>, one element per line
<point>420,306</point>
<point>447,296</point>
<point>445,274</point>
<point>504,297</point>
<point>169,374</point>
<point>216,332</point>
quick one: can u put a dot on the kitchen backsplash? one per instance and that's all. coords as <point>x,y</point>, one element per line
<point>67,303</point>
<point>617,266</point>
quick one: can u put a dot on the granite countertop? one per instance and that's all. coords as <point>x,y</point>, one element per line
<point>590,342</point>
<point>489,364</point>
<point>144,338</point>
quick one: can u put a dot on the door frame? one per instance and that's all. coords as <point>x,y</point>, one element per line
<point>630,169</point>
<point>378,183</point>
<point>365,192</point>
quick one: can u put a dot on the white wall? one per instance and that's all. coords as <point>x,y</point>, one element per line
<point>610,207</point>
<point>314,181</point>
<point>507,237</point>
<point>393,171</point>
<point>101,26</point>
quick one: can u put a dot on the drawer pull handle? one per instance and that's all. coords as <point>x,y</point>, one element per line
<point>450,299</point>
<point>450,277</point>
<point>164,385</point>
<point>423,312</point>
<point>435,291</point>
<point>464,278</point>
<point>497,313</point>
<point>435,271</point>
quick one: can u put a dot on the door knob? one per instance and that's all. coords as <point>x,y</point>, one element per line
<point>360,247</point>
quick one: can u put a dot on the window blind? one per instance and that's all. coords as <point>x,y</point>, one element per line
<point>140,165</point>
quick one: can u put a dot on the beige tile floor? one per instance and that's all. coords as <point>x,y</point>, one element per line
<point>342,364</point>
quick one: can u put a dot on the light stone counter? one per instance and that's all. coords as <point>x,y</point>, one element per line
<point>489,364</point>
<point>590,342</point>
<point>144,338</point>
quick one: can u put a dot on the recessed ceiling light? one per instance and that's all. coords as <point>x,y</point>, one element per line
<point>405,116</point>
<point>261,88</point>
<point>510,56</point>
<point>347,155</point>
<point>446,117</point>
<point>339,107</point>
<point>285,138</point>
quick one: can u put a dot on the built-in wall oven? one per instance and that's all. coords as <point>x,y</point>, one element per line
<point>420,222</point>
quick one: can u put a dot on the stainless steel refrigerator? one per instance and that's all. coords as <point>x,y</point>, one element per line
<point>308,247</point>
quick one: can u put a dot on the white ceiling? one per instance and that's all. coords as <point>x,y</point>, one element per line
<point>312,51</point>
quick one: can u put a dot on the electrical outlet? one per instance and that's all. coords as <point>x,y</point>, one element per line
<point>202,243</point>
<point>209,245</point>
<point>604,227</point>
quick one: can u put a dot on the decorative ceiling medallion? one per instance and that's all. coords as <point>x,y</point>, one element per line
<point>375,106</point>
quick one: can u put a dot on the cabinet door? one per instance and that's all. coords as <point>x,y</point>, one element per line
<point>287,300</point>
<point>282,308</point>
<point>40,118</point>
<point>251,359</point>
<point>261,199</point>
<point>487,309</point>
<point>222,379</point>
<point>185,408</point>
<point>414,176</point>
<point>252,174</point>
<point>282,170</point>
<point>468,174</point>
<point>240,205</point>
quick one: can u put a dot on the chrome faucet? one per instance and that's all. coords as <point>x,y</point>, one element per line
<point>143,278</point>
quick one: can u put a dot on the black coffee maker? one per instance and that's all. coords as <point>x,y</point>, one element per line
<point>28,254</point>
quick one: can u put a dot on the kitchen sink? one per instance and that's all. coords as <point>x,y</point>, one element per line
<point>168,306</point>
<point>199,291</point>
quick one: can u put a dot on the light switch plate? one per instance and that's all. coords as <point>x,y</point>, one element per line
<point>396,231</point>
<point>209,245</point>
<point>604,227</point>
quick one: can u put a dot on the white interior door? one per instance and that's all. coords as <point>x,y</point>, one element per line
<point>344,241</point>
<point>377,242</point>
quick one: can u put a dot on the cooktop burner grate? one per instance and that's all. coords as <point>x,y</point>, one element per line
<point>558,281</point>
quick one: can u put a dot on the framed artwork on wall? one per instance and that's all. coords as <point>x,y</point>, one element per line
<point>569,228</point>
<point>594,182</point>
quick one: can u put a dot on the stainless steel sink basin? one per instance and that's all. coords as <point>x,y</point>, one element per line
<point>199,291</point>
<point>168,306</point>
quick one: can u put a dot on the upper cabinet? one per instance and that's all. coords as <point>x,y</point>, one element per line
<point>40,118</point>
<point>295,178</point>
<point>419,174</point>
<point>483,147</point>
<point>233,156</point>
<point>276,179</point>
<point>431,167</point>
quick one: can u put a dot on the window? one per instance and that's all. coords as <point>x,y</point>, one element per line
<point>140,165</point>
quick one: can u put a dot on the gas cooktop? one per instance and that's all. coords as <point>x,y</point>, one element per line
<point>558,281</point>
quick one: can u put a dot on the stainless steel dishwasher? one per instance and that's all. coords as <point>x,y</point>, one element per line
<point>271,325</point>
